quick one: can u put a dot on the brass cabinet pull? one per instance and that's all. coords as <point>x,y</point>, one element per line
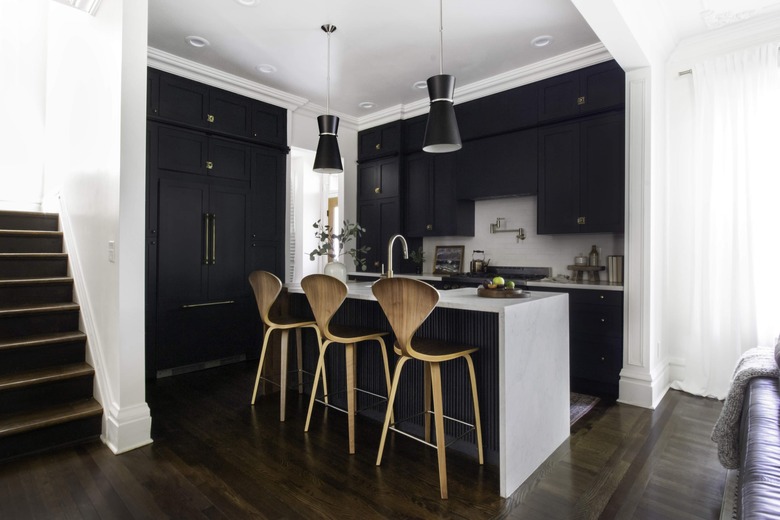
<point>206,238</point>
<point>581,100</point>
<point>429,227</point>
<point>209,165</point>
<point>193,305</point>
<point>213,238</point>
<point>210,118</point>
<point>378,146</point>
<point>580,220</point>
<point>377,190</point>
<point>603,320</point>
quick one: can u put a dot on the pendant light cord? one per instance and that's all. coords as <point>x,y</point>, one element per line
<point>441,37</point>
<point>327,97</point>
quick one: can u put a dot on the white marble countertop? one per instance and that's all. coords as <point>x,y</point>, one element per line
<point>465,299</point>
<point>567,284</point>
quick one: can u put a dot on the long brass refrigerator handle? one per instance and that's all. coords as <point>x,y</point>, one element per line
<point>213,238</point>
<point>194,305</point>
<point>206,238</point>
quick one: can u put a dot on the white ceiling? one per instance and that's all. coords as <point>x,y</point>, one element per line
<point>381,48</point>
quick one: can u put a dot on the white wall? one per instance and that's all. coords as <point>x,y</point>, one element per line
<point>555,251</point>
<point>23,62</point>
<point>95,160</point>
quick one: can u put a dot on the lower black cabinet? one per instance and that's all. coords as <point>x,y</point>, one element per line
<point>595,340</point>
<point>382,219</point>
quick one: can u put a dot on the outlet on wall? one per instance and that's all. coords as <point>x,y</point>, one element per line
<point>111,251</point>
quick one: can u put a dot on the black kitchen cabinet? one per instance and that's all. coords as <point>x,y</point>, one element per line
<point>498,166</point>
<point>432,207</point>
<point>267,225</point>
<point>382,219</point>
<point>378,179</point>
<point>582,176</point>
<point>499,113</point>
<point>414,133</point>
<point>182,101</point>
<point>379,141</point>
<point>581,92</point>
<point>595,340</point>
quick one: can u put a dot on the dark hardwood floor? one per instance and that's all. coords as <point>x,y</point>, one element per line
<point>214,456</point>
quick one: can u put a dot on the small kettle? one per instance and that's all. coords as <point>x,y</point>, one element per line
<point>478,261</point>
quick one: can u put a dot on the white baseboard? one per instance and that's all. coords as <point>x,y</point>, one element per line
<point>638,388</point>
<point>128,428</point>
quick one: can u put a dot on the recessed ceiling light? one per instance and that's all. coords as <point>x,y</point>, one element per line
<point>197,41</point>
<point>366,104</point>
<point>420,85</point>
<point>541,41</point>
<point>266,68</point>
<point>248,3</point>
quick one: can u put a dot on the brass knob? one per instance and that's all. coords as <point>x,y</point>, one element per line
<point>603,320</point>
<point>377,190</point>
<point>376,264</point>
<point>209,165</point>
<point>580,220</point>
<point>602,358</point>
<point>602,296</point>
<point>581,100</point>
<point>378,146</point>
<point>429,227</point>
<point>210,118</point>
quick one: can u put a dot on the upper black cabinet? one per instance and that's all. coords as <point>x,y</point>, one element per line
<point>582,176</point>
<point>497,114</point>
<point>378,179</point>
<point>499,166</point>
<point>585,91</point>
<point>379,141</point>
<point>432,207</point>
<point>180,100</point>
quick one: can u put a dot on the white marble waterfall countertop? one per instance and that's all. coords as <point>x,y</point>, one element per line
<point>464,299</point>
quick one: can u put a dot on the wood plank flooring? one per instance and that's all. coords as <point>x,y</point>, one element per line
<point>214,456</point>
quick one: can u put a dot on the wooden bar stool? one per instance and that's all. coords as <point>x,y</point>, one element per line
<point>267,287</point>
<point>326,294</point>
<point>407,303</point>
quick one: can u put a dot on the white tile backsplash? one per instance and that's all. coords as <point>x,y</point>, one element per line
<point>555,251</point>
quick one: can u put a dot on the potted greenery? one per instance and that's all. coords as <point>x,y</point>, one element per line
<point>418,257</point>
<point>334,244</point>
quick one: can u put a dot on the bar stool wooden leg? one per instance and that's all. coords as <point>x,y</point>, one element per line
<point>350,368</point>
<point>320,370</point>
<point>299,352</point>
<point>427,399</point>
<point>387,371</point>
<point>283,375</point>
<point>390,400</point>
<point>438,418</point>
<point>477,421</point>
<point>266,336</point>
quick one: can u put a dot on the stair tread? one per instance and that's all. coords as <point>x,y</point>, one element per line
<point>54,280</point>
<point>43,307</point>
<point>28,213</point>
<point>42,339</point>
<point>22,422</point>
<point>32,232</point>
<point>44,375</point>
<point>23,256</point>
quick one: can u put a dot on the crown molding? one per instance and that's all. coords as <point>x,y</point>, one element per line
<point>216,78</point>
<point>738,35</point>
<point>550,67</point>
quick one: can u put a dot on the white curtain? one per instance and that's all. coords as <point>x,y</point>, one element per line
<point>723,228</point>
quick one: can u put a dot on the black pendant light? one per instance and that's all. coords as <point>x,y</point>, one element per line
<point>328,157</point>
<point>441,132</point>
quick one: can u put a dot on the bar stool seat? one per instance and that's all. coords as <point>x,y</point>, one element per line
<point>267,287</point>
<point>407,303</point>
<point>326,294</point>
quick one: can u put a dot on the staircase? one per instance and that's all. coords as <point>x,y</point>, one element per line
<point>46,386</point>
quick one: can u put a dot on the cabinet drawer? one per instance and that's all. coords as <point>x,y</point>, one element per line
<point>596,320</point>
<point>595,296</point>
<point>596,360</point>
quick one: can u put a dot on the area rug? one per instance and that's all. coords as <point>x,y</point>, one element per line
<point>579,405</point>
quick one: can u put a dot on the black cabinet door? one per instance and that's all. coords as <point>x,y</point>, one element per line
<point>228,159</point>
<point>585,91</point>
<point>602,185</point>
<point>381,219</point>
<point>499,166</point>
<point>559,179</point>
<point>499,113</point>
<point>267,225</point>
<point>379,141</point>
<point>183,100</point>
<point>269,123</point>
<point>378,179</point>
<point>414,133</point>
<point>227,273</point>
<point>229,113</point>
<point>152,92</point>
<point>178,150</point>
<point>419,195</point>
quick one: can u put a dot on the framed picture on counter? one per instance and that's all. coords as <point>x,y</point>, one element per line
<point>448,260</point>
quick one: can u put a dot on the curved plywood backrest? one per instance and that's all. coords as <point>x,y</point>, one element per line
<point>267,288</point>
<point>406,303</point>
<point>325,294</point>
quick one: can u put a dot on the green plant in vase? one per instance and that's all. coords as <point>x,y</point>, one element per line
<point>418,257</point>
<point>335,245</point>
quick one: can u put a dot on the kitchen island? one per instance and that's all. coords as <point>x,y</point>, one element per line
<point>522,370</point>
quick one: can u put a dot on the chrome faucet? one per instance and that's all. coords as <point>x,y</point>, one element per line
<point>390,253</point>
